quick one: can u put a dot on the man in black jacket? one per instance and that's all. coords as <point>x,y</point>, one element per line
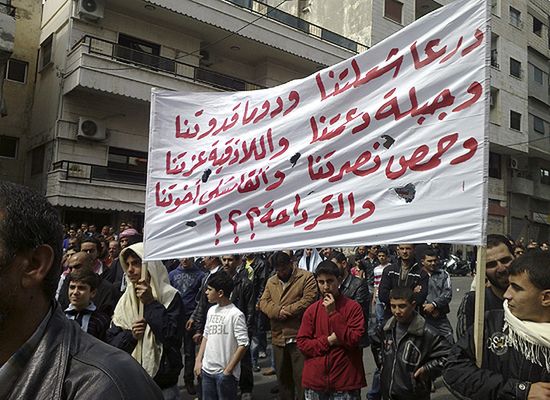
<point>44,355</point>
<point>354,288</point>
<point>412,354</point>
<point>516,351</point>
<point>405,273</point>
<point>243,297</point>
<point>500,255</point>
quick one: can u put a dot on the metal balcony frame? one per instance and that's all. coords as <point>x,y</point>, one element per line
<point>161,65</point>
<point>300,24</point>
<point>86,174</point>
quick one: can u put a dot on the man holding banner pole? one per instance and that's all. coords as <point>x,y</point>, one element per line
<point>516,354</point>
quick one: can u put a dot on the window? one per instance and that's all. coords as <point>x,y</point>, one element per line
<point>124,165</point>
<point>515,120</point>
<point>16,71</point>
<point>37,160</point>
<point>494,165</point>
<point>515,17</point>
<point>538,124</point>
<point>515,68</point>
<point>493,97</point>
<point>8,146</point>
<point>545,176</point>
<point>46,52</point>
<point>537,27</point>
<point>537,75</point>
<point>393,10</point>
<point>143,53</point>
<point>495,7</point>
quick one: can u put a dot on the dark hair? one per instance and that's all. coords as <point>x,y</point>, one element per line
<point>94,241</point>
<point>85,276</point>
<point>221,281</point>
<point>382,250</point>
<point>494,240</point>
<point>338,256</point>
<point>280,258</point>
<point>28,220</point>
<point>327,267</point>
<point>403,293</point>
<point>537,266</point>
<point>429,253</point>
<point>128,253</point>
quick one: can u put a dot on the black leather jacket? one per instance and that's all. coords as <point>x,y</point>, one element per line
<point>419,347</point>
<point>505,373</point>
<point>243,297</point>
<point>70,364</point>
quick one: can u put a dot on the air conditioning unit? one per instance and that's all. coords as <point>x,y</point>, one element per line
<point>91,129</point>
<point>206,58</point>
<point>514,163</point>
<point>91,10</point>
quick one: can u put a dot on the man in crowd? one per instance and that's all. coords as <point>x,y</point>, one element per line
<point>187,279</point>
<point>355,289</point>
<point>42,353</point>
<point>92,246</point>
<point>106,297</point>
<point>242,296</point>
<point>440,293</point>
<point>330,334</point>
<point>286,297</point>
<point>516,351</point>
<point>404,273</point>
<point>497,265</point>
<point>148,320</point>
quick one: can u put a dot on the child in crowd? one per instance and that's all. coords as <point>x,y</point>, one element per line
<point>224,343</point>
<point>82,289</point>
<point>412,354</point>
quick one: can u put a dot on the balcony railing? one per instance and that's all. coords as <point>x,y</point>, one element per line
<point>300,24</point>
<point>170,66</point>
<point>7,8</point>
<point>99,173</point>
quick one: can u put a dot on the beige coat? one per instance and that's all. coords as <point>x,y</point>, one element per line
<point>298,295</point>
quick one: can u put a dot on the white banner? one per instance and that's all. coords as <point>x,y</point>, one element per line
<point>386,147</point>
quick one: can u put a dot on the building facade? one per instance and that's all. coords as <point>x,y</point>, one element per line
<point>98,61</point>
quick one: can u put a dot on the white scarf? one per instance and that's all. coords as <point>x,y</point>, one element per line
<point>531,339</point>
<point>149,350</point>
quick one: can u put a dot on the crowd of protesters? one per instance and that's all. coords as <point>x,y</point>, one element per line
<point>209,319</point>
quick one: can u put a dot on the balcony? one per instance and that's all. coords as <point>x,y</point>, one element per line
<point>522,185</point>
<point>256,20</point>
<point>541,190</point>
<point>106,66</point>
<point>7,29</point>
<point>81,185</point>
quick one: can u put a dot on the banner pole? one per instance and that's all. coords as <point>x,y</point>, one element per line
<point>479,304</point>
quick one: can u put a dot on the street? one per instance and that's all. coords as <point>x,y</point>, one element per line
<point>263,384</point>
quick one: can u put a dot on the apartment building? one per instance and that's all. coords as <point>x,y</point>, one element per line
<point>98,61</point>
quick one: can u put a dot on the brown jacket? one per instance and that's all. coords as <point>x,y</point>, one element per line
<point>298,295</point>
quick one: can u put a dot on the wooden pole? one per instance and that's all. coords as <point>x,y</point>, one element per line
<point>479,315</point>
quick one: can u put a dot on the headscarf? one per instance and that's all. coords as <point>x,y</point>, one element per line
<point>148,351</point>
<point>313,262</point>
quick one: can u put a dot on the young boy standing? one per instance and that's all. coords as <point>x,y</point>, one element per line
<point>412,353</point>
<point>82,289</point>
<point>224,343</point>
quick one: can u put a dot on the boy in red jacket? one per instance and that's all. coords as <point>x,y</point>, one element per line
<point>329,338</point>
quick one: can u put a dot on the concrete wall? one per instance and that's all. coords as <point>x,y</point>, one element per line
<point>19,96</point>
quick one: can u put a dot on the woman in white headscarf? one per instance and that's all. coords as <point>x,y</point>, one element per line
<point>310,260</point>
<point>148,320</point>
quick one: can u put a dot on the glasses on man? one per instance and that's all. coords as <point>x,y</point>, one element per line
<point>503,261</point>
